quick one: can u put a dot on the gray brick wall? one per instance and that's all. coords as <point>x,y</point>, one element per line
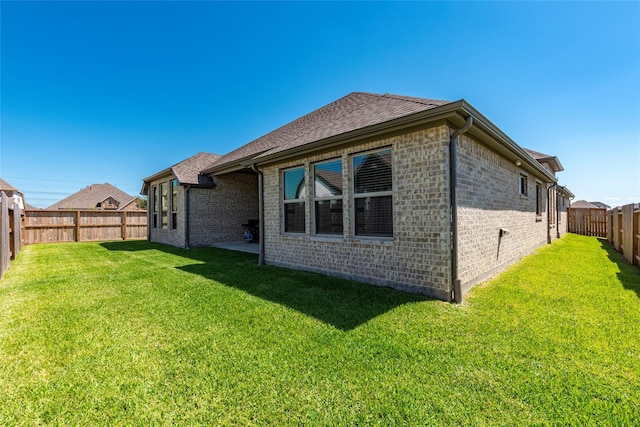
<point>415,259</point>
<point>168,235</point>
<point>215,215</point>
<point>489,199</point>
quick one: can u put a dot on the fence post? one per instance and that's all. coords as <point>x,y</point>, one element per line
<point>124,225</point>
<point>4,234</point>
<point>636,239</point>
<point>16,230</point>
<point>77,226</point>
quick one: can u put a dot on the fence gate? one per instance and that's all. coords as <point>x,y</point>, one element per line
<point>588,221</point>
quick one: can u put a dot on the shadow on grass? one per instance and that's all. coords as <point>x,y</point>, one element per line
<point>628,274</point>
<point>343,304</point>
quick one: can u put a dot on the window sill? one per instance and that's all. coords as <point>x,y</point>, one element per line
<point>372,240</point>
<point>332,238</point>
<point>294,236</point>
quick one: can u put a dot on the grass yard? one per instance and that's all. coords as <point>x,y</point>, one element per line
<point>132,333</point>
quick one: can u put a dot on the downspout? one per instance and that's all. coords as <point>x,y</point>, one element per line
<point>260,213</point>
<point>187,196</point>
<point>557,215</point>
<point>455,288</point>
<point>149,215</point>
<point>549,213</point>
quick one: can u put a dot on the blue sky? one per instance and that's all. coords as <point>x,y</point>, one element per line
<point>95,92</point>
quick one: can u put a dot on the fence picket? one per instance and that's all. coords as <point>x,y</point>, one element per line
<point>624,233</point>
<point>588,222</point>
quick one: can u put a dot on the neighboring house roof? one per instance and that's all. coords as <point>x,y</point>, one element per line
<point>552,161</point>
<point>360,115</point>
<point>330,180</point>
<point>583,204</point>
<point>134,200</point>
<point>601,205</point>
<point>5,186</point>
<point>10,190</point>
<point>90,196</point>
<point>187,171</point>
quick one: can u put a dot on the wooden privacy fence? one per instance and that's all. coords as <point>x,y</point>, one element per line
<point>10,231</point>
<point>588,222</point>
<point>48,226</point>
<point>624,231</point>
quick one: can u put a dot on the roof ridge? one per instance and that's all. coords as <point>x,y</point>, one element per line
<point>415,100</point>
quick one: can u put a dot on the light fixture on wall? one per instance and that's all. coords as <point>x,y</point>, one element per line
<point>518,162</point>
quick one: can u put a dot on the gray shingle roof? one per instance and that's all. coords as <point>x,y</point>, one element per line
<point>187,171</point>
<point>90,196</point>
<point>355,111</point>
<point>583,204</point>
<point>546,158</point>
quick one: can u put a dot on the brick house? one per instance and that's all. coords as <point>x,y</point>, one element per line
<point>187,208</point>
<point>421,195</point>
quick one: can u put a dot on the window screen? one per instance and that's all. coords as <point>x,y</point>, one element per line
<point>174,204</point>
<point>164,204</point>
<point>294,196</point>
<point>327,178</point>
<point>373,194</point>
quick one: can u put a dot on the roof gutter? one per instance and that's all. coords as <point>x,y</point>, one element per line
<point>506,146</point>
<point>438,113</point>
<point>484,129</point>
<point>187,206</point>
<point>455,288</point>
<point>550,214</point>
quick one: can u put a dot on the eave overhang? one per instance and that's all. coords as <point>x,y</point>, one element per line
<point>146,181</point>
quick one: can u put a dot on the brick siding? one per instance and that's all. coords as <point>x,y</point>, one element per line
<point>489,200</point>
<point>418,257</point>
<point>167,235</point>
<point>415,259</point>
<point>215,215</point>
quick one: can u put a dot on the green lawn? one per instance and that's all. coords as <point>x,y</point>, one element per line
<point>132,333</point>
